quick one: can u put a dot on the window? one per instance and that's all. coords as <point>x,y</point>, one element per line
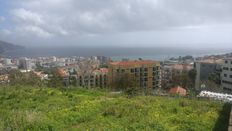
<point>226,61</point>
<point>145,84</point>
<point>145,74</point>
<point>136,74</point>
<point>225,68</point>
<point>145,79</point>
<point>132,70</point>
<point>225,75</point>
<point>136,70</point>
<point>145,69</point>
<point>154,69</point>
<point>230,69</point>
<point>227,82</point>
<point>153,83</point>
<point>230,76</point>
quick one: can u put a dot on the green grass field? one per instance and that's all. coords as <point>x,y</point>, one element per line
<point>27,108</point>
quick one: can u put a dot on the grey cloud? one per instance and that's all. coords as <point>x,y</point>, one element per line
<point>91,16</point>
<point>80,19</point>
<point>2,18</point>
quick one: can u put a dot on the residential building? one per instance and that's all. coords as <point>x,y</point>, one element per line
<point>41,75</point>
<point>25,64</point>
<point>98,78</point>
<point>103,60</point>
<point>4,79</point>
<point>204,70</point>
<point>226,74</point>
<point>147,72</point>
<point>172,70</point>
<point>7,61</point>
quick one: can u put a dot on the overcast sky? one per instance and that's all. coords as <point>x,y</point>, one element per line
<point>148,23</point>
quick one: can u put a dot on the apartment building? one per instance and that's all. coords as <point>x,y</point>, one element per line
<point>171,70</point>
<point>99,78</point>
<point>147,72</point>
<point>226,74</point>
<point>205,69</point>
<point>96,78</point>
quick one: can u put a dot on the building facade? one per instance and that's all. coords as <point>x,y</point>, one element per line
<point>98,78</point>
<point>147,72</point>
<point>226,74</point>
<point>172,70</point>
<point>204,69</point>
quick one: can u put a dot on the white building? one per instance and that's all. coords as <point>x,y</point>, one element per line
<point>226,74</point>
<point>7,61</point>
<point>25,64</point>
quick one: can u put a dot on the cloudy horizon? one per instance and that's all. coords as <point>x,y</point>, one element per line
<point>126,23</point>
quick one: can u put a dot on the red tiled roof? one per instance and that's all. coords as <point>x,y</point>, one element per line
<point>178,90</point>
<point>136,62</point>
<point>101,70</point>
<point>104,70</point>
<point>4,77</point>
<point>62,72</point>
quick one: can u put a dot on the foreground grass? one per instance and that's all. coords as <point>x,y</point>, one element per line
<point>30,108</point>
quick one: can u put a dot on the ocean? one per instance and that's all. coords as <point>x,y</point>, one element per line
<point>115,53</point>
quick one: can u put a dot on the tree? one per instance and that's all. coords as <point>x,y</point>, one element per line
<point>55,80</point>
<point>192,75</point>
<point>32,79</point>
<point>29,78</point>
<point>16,77</point>
<point>215,77</point>
<point>86,68</point>
<point>182,80</point>
<point>73,80</point>
<point>127,83</point>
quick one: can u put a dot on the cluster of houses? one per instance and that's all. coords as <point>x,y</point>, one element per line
<point>100,71</point>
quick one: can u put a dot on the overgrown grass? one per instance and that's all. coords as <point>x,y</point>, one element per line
<point>31,108</point>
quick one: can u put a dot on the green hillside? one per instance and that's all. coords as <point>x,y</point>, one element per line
<point>81,109</point>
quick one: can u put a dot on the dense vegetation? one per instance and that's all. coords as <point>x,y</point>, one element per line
<point>31,108</point>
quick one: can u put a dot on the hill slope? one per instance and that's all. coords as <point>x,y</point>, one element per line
<point>5,46</point>
<point>80,109</point>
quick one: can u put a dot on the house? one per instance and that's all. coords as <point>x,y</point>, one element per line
<point>178,90</point>
<point>4,79</point>
<point>41,75</point>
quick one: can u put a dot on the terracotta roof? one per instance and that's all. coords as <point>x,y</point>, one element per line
<point>136,62</point>
<point>4,77</point>
<point>178,90</point>
<point>101,71</point>
<point>62,72</point>
<point>39,74</point>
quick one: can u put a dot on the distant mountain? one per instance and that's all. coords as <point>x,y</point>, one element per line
<point>5,46</point>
